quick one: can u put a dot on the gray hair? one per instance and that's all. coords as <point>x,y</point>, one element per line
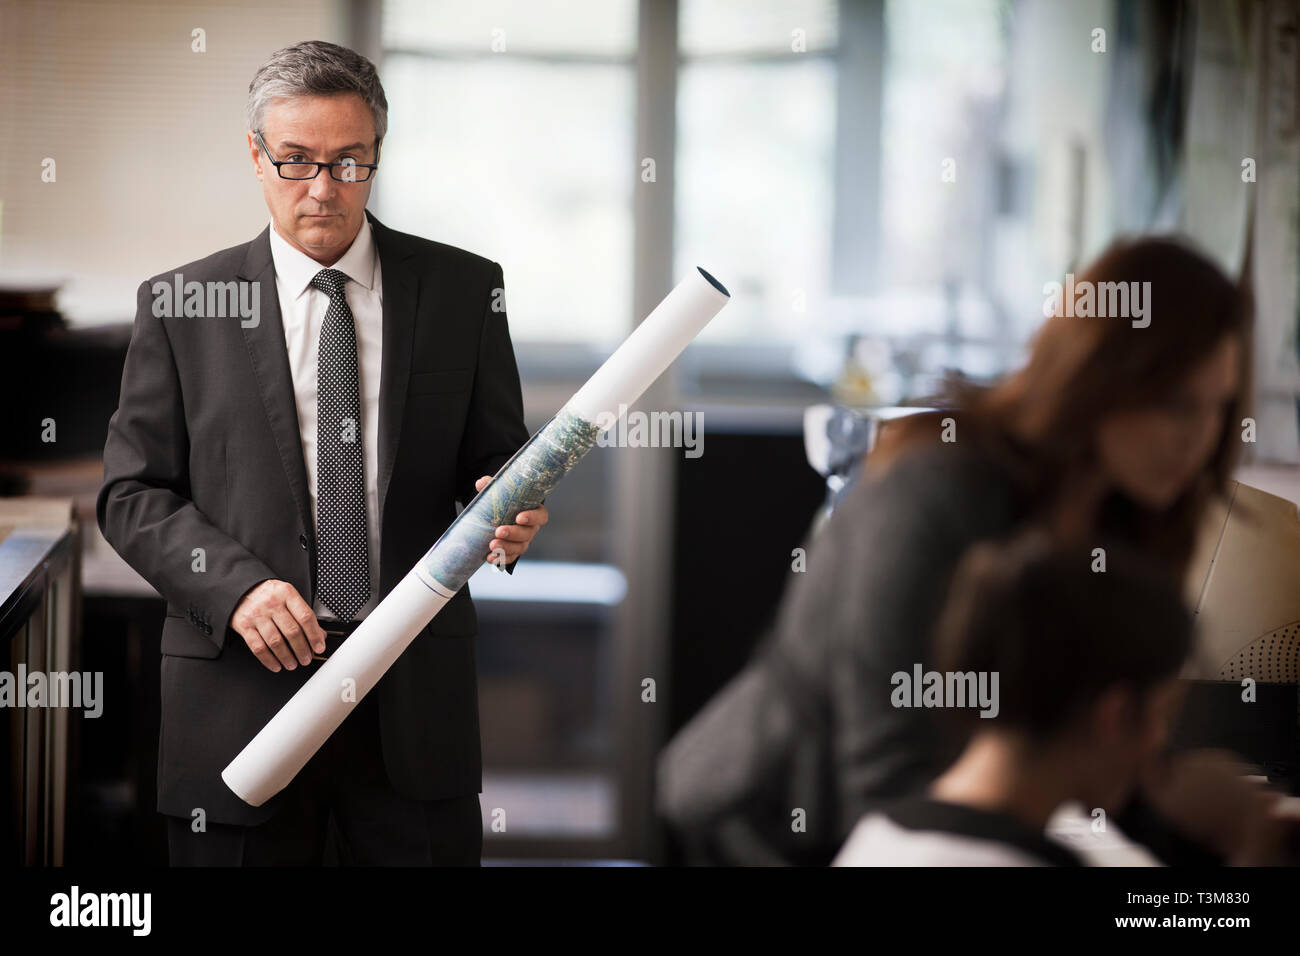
<point>316,68</point>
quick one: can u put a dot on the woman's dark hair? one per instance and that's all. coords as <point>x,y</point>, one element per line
<point>1057,632</point>
<point>1041,420</point>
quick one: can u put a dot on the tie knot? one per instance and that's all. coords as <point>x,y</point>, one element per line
<point>330,281</point>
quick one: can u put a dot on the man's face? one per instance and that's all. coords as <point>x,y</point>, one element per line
<point>320,217</point>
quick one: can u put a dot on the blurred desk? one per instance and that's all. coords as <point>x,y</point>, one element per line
<point>40,629</point>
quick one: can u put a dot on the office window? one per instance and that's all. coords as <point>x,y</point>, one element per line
<point>511,127</point>
<point>755,143</point>
<point>944,78</point>
<point>929,305</point>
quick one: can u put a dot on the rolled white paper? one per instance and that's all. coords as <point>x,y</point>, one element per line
<point>282,748</point>
<point>651,348</point>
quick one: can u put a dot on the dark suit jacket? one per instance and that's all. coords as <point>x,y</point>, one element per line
<point>204,452</point>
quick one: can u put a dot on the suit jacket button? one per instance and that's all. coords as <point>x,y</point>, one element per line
<point>302,540</point>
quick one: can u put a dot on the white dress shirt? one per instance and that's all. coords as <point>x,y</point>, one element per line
<point>959,839</point>
<point>302,309</point>
<point>876,840</point>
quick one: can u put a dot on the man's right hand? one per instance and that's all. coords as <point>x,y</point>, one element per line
<point>276,624</point>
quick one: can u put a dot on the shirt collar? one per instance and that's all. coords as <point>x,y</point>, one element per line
<point>296,269</point>
<point>922,812</point>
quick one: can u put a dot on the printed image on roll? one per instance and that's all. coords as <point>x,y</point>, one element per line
<point>521,484</point>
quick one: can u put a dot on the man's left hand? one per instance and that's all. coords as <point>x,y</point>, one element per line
<point>512,540</point>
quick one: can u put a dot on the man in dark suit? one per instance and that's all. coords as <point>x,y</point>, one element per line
<point>274,470</point>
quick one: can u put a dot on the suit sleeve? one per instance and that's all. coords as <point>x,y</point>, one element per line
<point>144,507</point>
<point>494,428</point>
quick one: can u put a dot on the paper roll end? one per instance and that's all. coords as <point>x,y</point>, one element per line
<point>714,282</point>
<point>238,791</point>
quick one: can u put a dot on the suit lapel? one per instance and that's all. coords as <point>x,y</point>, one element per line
<point>270,360</point>
<point>401,300</point>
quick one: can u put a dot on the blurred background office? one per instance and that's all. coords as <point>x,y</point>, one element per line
<point>884,185</point>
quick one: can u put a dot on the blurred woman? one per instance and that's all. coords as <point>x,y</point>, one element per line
<point>1113,427</point>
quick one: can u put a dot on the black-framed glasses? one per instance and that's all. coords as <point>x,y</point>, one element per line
<point>346,171</point>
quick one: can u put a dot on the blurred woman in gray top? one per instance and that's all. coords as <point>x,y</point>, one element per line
<point>1118,424</point>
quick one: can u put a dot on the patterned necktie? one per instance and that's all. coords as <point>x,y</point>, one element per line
<point>342,555</point>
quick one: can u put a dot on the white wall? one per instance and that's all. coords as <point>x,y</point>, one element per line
<point>113,92</point>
